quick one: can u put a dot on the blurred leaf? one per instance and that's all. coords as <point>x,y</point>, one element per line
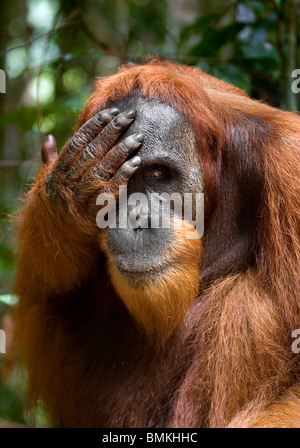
<point>214,39</point>
<point>257,7</point>
<point>244,14</point>
<point>8,299</point>
<point>12,403</point>
<point>198,25</point>
<point>42,416</point>
<point>261,51</point>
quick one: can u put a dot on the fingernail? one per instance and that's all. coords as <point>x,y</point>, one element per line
<point>51,140</point>
<point>114,111</point>
<point>130,114</point>
<point>135,161</point>
<point>139,137</point>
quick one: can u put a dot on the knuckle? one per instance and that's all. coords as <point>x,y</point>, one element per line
<point>116,125</point>
<point>131,142</point>
<point>124,147</point>
<point>120,122</point>
<point>90,151</point>
<point>126,169</point>
<point>128,144</point>
<point>103,117</point>
<point>77,141</point>
<point>98,172</point>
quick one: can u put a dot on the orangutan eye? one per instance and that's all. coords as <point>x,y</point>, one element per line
<point>158,172</point>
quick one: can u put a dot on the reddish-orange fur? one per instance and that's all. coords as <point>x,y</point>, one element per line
<point>161,305</point>
<point>230,361</point>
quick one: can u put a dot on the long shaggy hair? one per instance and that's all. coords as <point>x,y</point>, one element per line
<point>229,362</point>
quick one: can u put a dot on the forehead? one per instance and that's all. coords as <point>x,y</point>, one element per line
<point>167,132</point>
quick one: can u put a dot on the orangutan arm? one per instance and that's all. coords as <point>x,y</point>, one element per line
<point>58,232</point>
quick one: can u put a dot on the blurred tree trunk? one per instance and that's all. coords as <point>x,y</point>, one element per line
<point>2,47</point>
<point>289,36</point>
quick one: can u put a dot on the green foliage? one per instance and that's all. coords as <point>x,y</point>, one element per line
<point>244,36</point>
<point>12,402</point>
<point>9,299</point>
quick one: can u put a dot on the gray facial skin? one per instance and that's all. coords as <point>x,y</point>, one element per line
<point>170,148</point>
